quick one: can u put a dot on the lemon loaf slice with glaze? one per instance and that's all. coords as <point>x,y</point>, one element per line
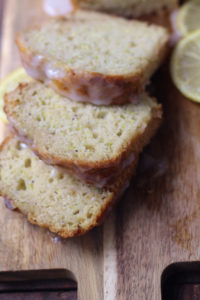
<point>153,12</point>
<point>93,57</point>
<point>51,198</point>
<point>128,8</point>
<point>95,142</point>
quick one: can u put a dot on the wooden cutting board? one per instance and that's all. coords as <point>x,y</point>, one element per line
<point>155,224</point>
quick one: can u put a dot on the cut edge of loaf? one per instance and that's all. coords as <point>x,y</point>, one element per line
<point>88,86</point>
<point>131,13</point>
<point>126,12</point>
<point>117,189</point>
<point>104,173</point>
<point>99,173</point>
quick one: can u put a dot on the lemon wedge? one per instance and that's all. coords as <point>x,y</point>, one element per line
<point>9,84</point>
<point>188,18</point>
<point>185,66</point>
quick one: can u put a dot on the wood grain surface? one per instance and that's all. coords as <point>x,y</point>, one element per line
<point>27,247</point>
<point>155,224</point>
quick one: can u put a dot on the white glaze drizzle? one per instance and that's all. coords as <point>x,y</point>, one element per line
<point>23,146</point>
<point>53,73</point>
<point>58,7</point>
<point>99,93</point>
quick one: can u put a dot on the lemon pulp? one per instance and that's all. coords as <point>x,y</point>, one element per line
<point>189,17</point>
<point>185,66</point>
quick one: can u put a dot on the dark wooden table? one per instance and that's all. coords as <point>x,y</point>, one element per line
<point>42,289</point>
<point>155,224</point>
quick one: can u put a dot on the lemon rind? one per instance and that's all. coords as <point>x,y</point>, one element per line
<point>178,83</point>
<point>13,76</point>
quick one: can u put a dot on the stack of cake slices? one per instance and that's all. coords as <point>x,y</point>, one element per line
<point>81,123</point>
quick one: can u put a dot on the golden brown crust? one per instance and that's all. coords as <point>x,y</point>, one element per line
<point>81,87</point>
<point>5,141</point>
<point>100,173</point>
<point>117,191</point>
<point>161,18</point>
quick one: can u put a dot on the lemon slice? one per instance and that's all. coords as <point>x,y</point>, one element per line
<point>9,84</point>
<point>189,17</point>
<point>185,66</point>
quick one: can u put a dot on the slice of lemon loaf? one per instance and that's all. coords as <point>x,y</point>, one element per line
<point>92,57</point>
<point>51,198</point>
<point>95,142</point>
<point>129,8</point>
